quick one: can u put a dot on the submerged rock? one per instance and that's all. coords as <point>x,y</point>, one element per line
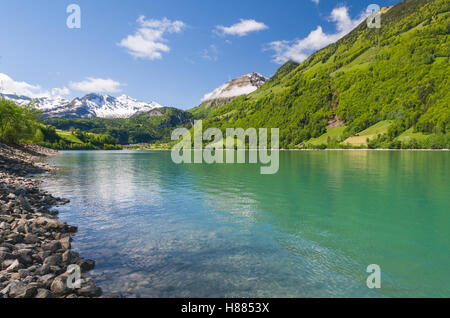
<point>35,246</point>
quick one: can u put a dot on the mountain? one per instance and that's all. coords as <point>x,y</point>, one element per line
<point>244,85</point>
<point>384,87</point>
<point>145,127</point>
<point>89,106</point>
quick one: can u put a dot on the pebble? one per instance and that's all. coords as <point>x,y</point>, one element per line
<point>35,246</point>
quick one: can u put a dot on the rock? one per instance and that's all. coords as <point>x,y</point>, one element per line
<point>3,278</point>
<point>70,257</point>
<point>53,260</point>
<point>17,289</point>
<point>31,238</point>
<point>4,249</point>
<point>15,238</point>
<point>35,246</point>
<point>44,293</point>
<point>59,286</point>
<point>4,226</point>
<point>56,270</point>
<point>14,267</point>
<point>65,242</point>
<point>43,255</point>
<point>30,292</point>
<point>6,255</point>
<point>43,270</point>
<point>25,259</point>
<point>89,289</point>
<point>23,273</point>
<point>86,265</point>
<point>46,280</point>
<point>52,246</point>
<point>7,263</point>
<point>25,203</point>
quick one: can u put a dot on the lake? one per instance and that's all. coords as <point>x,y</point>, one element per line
<point>157,229</point>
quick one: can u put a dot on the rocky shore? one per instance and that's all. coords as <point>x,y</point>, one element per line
<point>35,246</point>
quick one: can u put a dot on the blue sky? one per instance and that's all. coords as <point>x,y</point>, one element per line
<point>171,52</point>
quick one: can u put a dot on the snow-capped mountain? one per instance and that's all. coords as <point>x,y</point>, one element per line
<point>89,106</point>
<point>243,85</point>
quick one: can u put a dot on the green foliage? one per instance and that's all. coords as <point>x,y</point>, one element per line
<point>22,125</point>
<point>18,124</point>
<point>151,127</point>
<point>397,73</point>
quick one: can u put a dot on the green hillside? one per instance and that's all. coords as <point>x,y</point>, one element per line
<point>150,127</point>
<point>398,73</point>
<point>24,125</point>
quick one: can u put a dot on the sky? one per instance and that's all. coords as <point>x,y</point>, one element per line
<point>169,51</point>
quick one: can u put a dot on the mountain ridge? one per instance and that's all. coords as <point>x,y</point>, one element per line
<point>89,106</point>
<point>241,86</point>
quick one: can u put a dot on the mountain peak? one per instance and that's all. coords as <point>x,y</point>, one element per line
<point>244,85</point>
<point>89,106</point>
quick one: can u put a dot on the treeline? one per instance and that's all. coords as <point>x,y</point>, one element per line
<point>155,126</point>
<point>385,141</point>
<point>19,124</point>
<point>24,125</point>
<point>77,140</point>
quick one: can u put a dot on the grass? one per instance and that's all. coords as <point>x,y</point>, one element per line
<point>410,134</point>
<point>68,137</point>
<point>333,133</point>
<point>372,132</point>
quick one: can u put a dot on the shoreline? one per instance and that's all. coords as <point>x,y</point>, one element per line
<point>35,246</point>
<point>337,149</point>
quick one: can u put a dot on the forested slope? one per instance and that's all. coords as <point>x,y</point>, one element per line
<point>398,73</point>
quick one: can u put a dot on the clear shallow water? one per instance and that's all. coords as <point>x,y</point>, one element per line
<point>157,229</point>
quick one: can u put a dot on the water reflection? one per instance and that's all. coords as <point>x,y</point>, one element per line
<point>158,229</point>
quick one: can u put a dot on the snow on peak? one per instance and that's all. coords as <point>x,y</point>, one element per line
<point>243,85</point>
<point>90,106</point>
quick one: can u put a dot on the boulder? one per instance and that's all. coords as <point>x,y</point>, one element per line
<point>53,260</point>
<point>70,257</point>
<point>46,280</point>
<point>31,238</point>
<point>65,242</point>
<point>59,286</point>
<point>15,289</point>
<point>14,267</point>
<point>44,293</point>
<point>86,265</point>
<point>52,246</point>
<point>89,289</point>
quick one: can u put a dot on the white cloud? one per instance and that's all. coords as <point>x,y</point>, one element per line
<point>242,28</point>
<point>10,86</point>
<point>148,42</point>
<point>299,49</point>
<point>60,91</point>
<point>316,1</point>
<point>96,85</point>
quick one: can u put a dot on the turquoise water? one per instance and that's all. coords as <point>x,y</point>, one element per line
<point>157,229</point>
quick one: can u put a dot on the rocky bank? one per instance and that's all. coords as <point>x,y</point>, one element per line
<point>35,246</point>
